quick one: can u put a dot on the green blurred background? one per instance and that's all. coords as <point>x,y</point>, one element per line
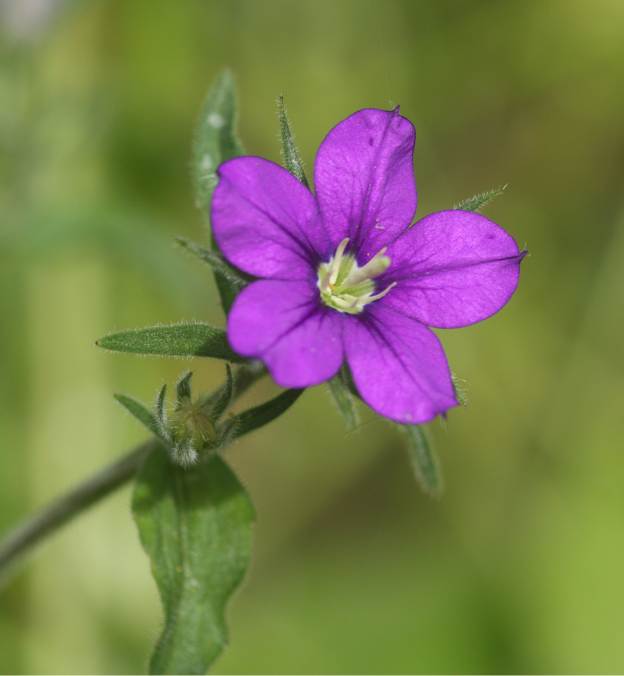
<point>519,567</point>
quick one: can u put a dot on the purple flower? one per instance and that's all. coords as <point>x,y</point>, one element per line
<point>345,277</point>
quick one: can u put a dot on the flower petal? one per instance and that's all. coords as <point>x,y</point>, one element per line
<point>283,324</point>
<point>266,222</point>
<point>398,366</point>
<point>452,268</point>
<point>364,179</point>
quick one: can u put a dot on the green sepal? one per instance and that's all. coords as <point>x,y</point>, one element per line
<point>222,397</point>
<point>344,399</point>
<point>159,407</point>
<point>480,200</point>
<point>423,459</point>
<point>196,526</point>
<point>215,142</point>
<point>189,339</point>
<point>236,279</point>
<point>243,423</point>
<point>290,153</point>
<point>142,414</point>
<point>459,387</point>
<point>183,387</point>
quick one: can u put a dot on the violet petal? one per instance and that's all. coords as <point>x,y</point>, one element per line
<point>451,269</point>
<point>283,323</point>
<point>364,180</point>
<point>265,222</point>
<point>398,366</point>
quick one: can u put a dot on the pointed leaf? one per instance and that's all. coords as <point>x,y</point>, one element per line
<point>192,339</point>
<point>344,401</point>
<point>216,141</point>
<point>140,412</point>
<point>223,397</point>
<point>161,413</point>
<point>481,200</point>
<point>423,459</point>
<point>290,153</point>
<point>196,526</point>
<point>220,266</point>
<point>258,416</point>
<point>183,386</point>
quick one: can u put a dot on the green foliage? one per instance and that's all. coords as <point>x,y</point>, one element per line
<point>344,400</point>
<point>183,386</point>
<point>216,138</point>
<point>196,526</point>
<point>290,153</point>
<point>423,459</point>
<point>222,397</point>
<point>215,142</point>
<point>258,416</point>
<point>480,200</point>
<point>159,407</point>
<point>142,414</point>
<point>187,339</point>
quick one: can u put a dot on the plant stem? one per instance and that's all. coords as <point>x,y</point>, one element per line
<point>102,483</point>
<point>64,508</point>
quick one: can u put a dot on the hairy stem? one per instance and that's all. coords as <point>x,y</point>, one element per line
<point>102,483</point>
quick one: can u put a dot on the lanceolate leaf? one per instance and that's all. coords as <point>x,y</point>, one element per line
<point>290,153</point>
<point>256,417</point>
<point>196,526</point>
<point>140,412</point>
<point>423,459</point>
<point>222,398</point>
<point>216,141</point>
<point>481,200</point>
<point>216,138</point>
<point>192,339</point>
<point>183,386</point>
<point>344,401</point>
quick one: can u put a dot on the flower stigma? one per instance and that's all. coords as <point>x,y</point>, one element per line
<point>347,287</point>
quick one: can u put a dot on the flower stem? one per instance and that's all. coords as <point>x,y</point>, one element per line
<point>67,506</point>
<point>64,508</point>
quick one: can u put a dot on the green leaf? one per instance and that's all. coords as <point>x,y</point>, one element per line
<point>219,265</point>
<point>423,459</point>
<point>215,142</point>
<point>481,200</point>
<point>196,527</point>
<point>222,397</point>
<point>258,416</point>
<point>141,413</point>
<point>290,153</point>
<point>216,139</point>
<point>191,339</point>
<point>344,401</point>
<point>159,408</point>
<point>183,387</point>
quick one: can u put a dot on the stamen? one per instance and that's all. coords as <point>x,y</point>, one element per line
<point>345,286</point>
<point>376,266</point>
<point>337,260</point>
<point>381,294</point>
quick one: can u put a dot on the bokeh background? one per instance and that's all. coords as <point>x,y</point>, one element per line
<point>519,567</point>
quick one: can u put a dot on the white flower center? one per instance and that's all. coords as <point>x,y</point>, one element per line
<point>347,287</point>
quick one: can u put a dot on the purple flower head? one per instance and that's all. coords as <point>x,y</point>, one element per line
<point>345,277</point>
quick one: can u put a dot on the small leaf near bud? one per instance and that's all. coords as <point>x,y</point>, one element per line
<point>183,387</point>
